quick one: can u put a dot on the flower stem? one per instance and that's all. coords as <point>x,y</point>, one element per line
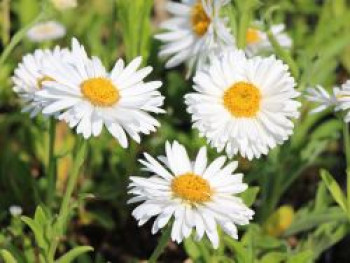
<point>65,206</point>
<point>51,170</point>
<point>347,156</point>
<point>163,241</point>
<point>17,38</point>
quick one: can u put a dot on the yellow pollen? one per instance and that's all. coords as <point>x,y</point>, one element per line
<point>200,20</point>
<point>191,187</point>
<point>242,100</point>
<point>100,92</point>
<point>252,36</point>
<point>41,81</point>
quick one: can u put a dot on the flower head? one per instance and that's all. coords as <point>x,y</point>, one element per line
<point>322,97</point>
<point>15,210</point>
<point>343,99</point>
<point>244,105</point>
<point>45,31</point>
<point>257,40</point>
<point>197,195</point>
<point>29,77</point>
<point>86,96</point>
<point>194,33</point>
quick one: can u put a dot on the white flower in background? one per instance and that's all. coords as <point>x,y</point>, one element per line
<point>64,4</point>
<point>244,105</point>
<point>343,97</point>
<point>197,195</point>
<point>28,77</point>
<point>320,96</point>
<point>257,41</point>
<point>86,96</point>
<point>45,31</point>
<point>15,210</point>
<point>194,33</point>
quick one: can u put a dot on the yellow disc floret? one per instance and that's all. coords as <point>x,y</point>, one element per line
<point>252,36</point>
<point>200,19</point>
<point>191,188</point>
<point>242,100</point>
<point>100,92</point>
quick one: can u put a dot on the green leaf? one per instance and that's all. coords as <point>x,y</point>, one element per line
<point>7,256</point>
<point>37,230</point>
<point>192,249</point>
<point>40,216</point>
<point>275,257</point>
<point>302,257</point>
<point>334,189</point>
<point>74,253</point>
<point>312,220</point>
<point>237,248</point>
<point>250,195</point>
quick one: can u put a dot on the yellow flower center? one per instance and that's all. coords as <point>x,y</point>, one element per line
<point>242,100</point>
<point>191,187</point>
<point>100,92</point>
<point>252,36</point>
<point>200,19</point>
<point>41,81</point>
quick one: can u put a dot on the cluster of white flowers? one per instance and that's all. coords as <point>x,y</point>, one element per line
<point>242,104</point>
<point>78,90</point>
<point>198,31</point>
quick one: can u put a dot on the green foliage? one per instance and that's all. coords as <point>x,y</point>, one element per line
<point>97,212</point>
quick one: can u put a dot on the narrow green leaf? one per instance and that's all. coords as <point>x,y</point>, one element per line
<point>73,254</point>
<point>7,256</point>
<point>312,220</point>
<point>302,257</point>
<point>37,230</point>
<point>334,189</point>
<point>249,196</point>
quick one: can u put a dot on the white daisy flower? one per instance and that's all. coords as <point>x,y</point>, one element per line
<point>15,210</point>
<point>45,31</point>
<point>29,77</point>
<point>322,97</point>
<point>195,32</point>
<point>195,194</point>
<point>257,41</point>
<point>86,96</point>
<point>244,105</point>
<point>64,4</point>
<point>343,98</point>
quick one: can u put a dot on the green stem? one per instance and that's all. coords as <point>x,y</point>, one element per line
<point>51,171</point>
<point>17,38</point>
<point>164,239</point>
<point>346,144</point>
<point>6,21</point>
<point>284,55</point>
<point>347,156</point>
<point>65,206</point>
<point>242,28</point>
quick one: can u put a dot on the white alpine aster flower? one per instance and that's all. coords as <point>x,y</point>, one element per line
<point>194,33</point>
<point>45,31</point>
<point>343,97</point>
<point>197,195</point>
<point>86,96</point>
<point>15,210</point>
<point>244,105</point>
<point>29,77</point>
<point>322,97</point>
<point>257,40</point>
<point>64,4</point>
